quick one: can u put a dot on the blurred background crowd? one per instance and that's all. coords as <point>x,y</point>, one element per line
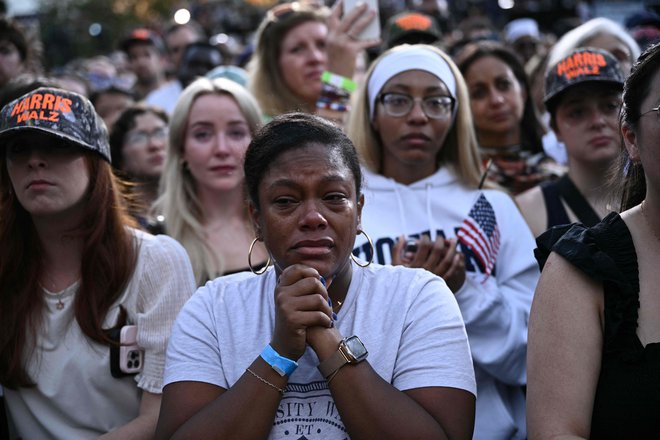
<point>83,38</point>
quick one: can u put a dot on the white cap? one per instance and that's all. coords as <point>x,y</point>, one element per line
<point>521,27</point>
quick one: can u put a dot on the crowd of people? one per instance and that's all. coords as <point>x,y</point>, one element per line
<point>430,234</point>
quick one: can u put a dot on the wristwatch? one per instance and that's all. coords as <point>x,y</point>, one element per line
<point>351,351</point>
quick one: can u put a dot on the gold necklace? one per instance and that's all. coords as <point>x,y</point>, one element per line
<point>646,220</point>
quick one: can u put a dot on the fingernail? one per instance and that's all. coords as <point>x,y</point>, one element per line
<point>330,302</point>
<point>322,280</point>
<point>332,324</point>
<point>334,316</point>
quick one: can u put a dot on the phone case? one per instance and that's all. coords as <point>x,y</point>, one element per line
<point>127,358</point>
<point>372,31</point>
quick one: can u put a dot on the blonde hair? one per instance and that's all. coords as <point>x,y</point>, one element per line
<point>265,78</point>
<point>178,201</point>
<point>460,150</point>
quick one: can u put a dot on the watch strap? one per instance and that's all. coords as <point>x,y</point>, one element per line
<point>333,363</point>
<point>282,365</point>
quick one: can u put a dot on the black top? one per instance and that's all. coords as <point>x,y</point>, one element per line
<point>564,188</point>
<point>556,214</point>
<point>627,401</point>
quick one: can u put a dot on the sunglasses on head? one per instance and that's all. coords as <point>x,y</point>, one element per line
<point>284,10</point>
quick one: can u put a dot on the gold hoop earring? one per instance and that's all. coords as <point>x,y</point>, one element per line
<point>256,272</point>
<point>373,251</point>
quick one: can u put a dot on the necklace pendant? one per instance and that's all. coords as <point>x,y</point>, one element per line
<point>59,305</point>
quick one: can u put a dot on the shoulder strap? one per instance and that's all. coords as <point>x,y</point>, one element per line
<point>555,211</point>
<point>576,201</point>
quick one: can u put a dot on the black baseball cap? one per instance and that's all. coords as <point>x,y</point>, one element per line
<point>585,64</point>
<point>142,36</point>
<point>59,113</point>
<point>411,27</point>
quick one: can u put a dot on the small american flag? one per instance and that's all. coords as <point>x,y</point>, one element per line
<point>479,233</point>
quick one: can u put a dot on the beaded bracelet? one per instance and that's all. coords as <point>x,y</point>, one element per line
<point>265,381</point>
<point>336,106</point>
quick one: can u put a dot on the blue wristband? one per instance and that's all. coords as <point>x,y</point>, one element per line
<point>283,366</point>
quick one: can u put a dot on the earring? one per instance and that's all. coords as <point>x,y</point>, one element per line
<point>256,272</point>
<point>373,251</point>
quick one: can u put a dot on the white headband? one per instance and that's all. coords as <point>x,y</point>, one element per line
<point>412,58</point>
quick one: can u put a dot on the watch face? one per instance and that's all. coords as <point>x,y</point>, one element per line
<point>356,348</point>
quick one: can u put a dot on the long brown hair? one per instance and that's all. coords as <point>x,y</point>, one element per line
<point>108,261</point>
<point>531,127</point>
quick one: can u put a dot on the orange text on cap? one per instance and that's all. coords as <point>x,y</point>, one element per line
<point>578,64</point>
<point>32,107</point>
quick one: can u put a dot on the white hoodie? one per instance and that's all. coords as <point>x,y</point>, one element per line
<point>495,306</point>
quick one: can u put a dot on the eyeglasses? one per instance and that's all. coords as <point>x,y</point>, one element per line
<point>141,138</point>
<point>656,109</point>
<point>434,107</point>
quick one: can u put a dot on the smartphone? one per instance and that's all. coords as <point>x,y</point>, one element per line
<point>127,358</point>
<point>372,31</point>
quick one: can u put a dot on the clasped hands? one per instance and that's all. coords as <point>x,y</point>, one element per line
<point>303,314</point>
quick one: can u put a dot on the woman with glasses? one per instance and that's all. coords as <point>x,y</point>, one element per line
<point>508,128</point>
<point>138,142</point>
<point>424,208</point>
<point>202,199</point>
<point>594,336</point>
<point>295,44</point>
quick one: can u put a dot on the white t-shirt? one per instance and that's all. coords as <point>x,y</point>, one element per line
<point>75,396</point>
<point>408,320</point>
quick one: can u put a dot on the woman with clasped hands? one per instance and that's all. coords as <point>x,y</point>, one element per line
<point>594,351</point>
<point>320,345</point>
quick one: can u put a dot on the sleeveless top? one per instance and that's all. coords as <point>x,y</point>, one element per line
<point>556,214</point>
<point>564,189</point>
<point>627,401</point>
